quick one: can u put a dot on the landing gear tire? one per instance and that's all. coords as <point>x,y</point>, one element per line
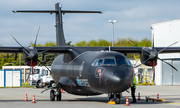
<point>52,96</point>
<point>117,100</point>
<point>114,97</point>
<point>59,97</point>
<point>111,97</point>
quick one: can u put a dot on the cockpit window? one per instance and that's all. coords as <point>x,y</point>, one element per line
<point>93,64</point>
<point>109,61</point>
<point>99,62</point>
<point>121,61</point>
<point>129,63</point>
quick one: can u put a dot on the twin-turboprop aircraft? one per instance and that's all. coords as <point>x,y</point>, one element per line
<point>87,70</point>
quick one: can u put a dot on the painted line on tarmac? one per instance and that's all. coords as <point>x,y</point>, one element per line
<point>19,98</point>
<point>174,103</point>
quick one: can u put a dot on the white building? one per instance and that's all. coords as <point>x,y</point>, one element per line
<point>166,33</point>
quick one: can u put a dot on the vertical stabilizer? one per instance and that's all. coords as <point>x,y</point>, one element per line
<point>60,41</point>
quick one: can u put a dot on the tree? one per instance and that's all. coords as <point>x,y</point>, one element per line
<point>9,58</point>
<point>81,43</point>
<point>119,43</point>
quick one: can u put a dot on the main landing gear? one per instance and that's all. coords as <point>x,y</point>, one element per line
<point>115,97</point>
<point>55,94</point>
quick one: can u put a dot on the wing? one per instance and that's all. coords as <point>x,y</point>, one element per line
<point>84,49</point>
<point>40,49</point>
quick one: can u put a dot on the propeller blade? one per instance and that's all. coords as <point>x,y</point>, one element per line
<point>167,47</point>
<point>32,68</point>
<point>11,62</point>
<point>153,41</point>
<point>153,70</point>
<point>137,62</point>
<point>26,52</point>
<point>47,68</point>
<point>142,63</point>
<point>148,43</point>
<point>133,43</point>
<point>20,44</point>
<point>14,62</point>
<point>147,53</point>
<point>168,64</point>
<point>36,39</point>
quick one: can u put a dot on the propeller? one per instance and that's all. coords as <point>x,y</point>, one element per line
<point>30,54</point>
<point>152,56</point>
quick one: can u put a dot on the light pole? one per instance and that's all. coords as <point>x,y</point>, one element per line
<point>114,21</point>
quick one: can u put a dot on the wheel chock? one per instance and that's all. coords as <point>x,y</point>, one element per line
<point>111,102</point>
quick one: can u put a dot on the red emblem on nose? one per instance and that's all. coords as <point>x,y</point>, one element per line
<point>99,71</point>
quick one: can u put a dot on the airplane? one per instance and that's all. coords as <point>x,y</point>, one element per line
<point>88,71</point>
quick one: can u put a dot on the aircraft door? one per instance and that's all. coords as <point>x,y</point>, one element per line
<point>71,74</point>
<point>81,69</point>
<point>78,70</point>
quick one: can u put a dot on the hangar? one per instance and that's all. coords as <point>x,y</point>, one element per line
<point>166,33</point>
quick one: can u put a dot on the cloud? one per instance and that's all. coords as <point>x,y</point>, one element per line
<point>134,19</point>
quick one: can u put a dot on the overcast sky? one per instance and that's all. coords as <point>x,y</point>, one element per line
<point>134,19</point>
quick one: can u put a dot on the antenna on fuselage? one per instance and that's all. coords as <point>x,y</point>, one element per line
<point>60,40</point>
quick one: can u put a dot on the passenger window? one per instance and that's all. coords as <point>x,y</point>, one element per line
<point>99,62</point>
<point>121,61</point>
<point>109,61</point>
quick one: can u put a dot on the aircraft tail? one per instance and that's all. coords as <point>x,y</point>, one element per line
<point>60,40</point>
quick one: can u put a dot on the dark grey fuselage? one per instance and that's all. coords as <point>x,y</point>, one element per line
<point>81,77</point>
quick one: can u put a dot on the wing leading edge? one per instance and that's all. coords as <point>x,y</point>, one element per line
<point>84,49</point>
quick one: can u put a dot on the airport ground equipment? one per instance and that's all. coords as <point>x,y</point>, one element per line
<point>154,99</point>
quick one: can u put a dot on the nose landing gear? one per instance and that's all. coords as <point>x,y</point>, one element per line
<point>114,97</point>
<point>55,93</point>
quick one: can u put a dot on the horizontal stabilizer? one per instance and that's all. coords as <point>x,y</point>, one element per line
<point>65,11</point>
<point>53,11</point>
<point>36,11</point>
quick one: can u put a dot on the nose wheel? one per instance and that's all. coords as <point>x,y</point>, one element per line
<point>114,97</point>
<point>52,95</point>
<point>55,94</point>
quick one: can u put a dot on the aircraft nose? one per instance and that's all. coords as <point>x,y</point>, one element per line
<point>114,78</point>
<point>118,79</point>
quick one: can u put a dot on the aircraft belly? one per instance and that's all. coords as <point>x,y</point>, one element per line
<point>77,87</point>
<point>77,90</point>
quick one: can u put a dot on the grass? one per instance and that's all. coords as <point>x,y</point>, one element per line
<point>23,86</point>
<point>26,85</point>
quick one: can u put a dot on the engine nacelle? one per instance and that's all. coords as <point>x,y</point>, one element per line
<point>28,58</point>
<point>146,54</point>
